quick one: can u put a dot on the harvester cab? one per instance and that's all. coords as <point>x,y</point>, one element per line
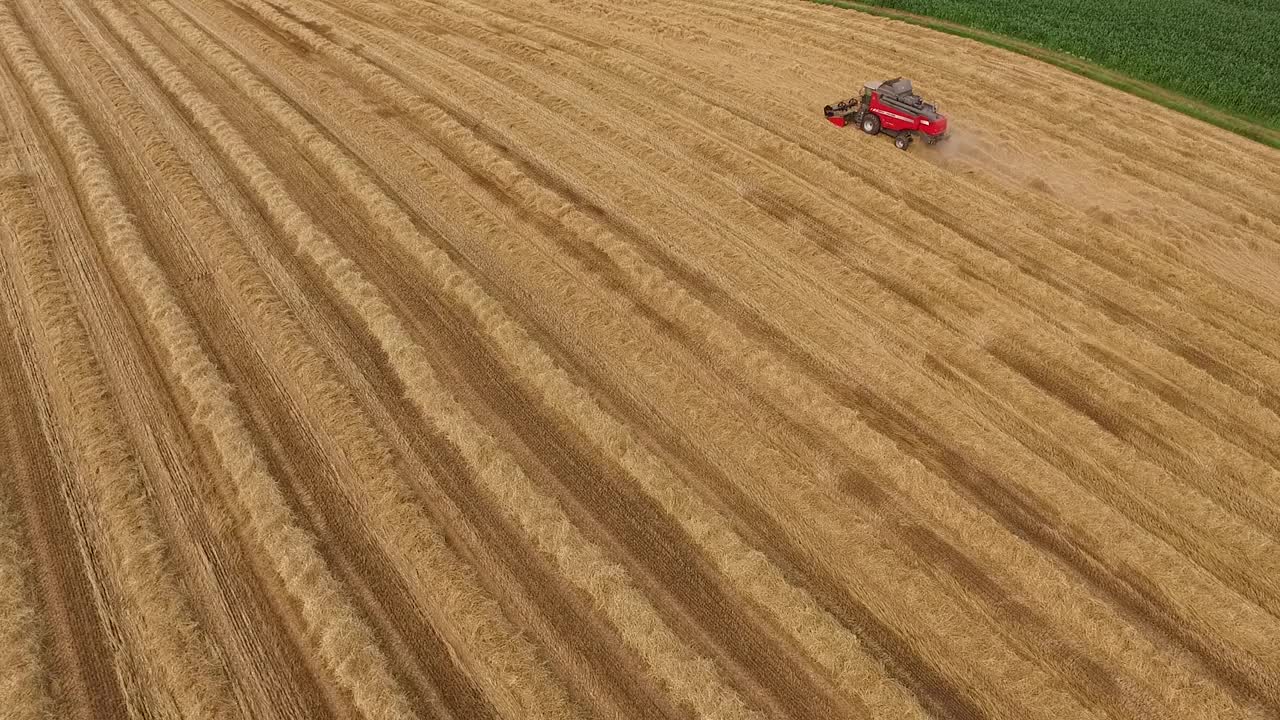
<point>891,107</point>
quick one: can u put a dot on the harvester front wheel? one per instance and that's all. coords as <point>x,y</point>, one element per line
<point>870,124</point>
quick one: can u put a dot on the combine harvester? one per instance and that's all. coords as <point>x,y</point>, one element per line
<point>892,108</point>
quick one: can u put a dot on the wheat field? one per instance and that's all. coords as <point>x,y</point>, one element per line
<point>557,359</point>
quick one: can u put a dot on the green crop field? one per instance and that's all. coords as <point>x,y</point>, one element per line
<point>1224,53</point>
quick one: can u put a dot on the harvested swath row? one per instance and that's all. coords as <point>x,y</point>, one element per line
<point>67,600</point>
<point>24,687</point>
<point>339,634</point>
<point>131,574</point>
<point>1233,540</point>
<point>689,677</point>
<point>381,504</point>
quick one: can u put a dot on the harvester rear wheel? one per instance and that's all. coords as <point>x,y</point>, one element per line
<point>902,142</point>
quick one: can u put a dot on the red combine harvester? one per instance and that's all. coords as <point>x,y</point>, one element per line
<point>892,108</point>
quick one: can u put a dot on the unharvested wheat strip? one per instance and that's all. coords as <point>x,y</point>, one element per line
<point>24,683</point>
<point>341,635</point>
<point>689,677</point>
<point>624,438</point>
<point>168,649</point>
<point>475,626</point>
